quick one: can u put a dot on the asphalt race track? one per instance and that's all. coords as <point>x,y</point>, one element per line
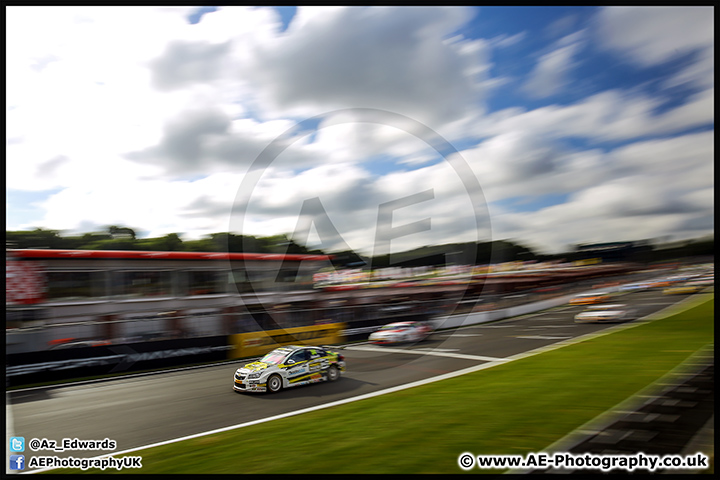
<point>143,410</point>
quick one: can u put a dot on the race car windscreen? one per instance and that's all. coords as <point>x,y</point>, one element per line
<point>274,357</point>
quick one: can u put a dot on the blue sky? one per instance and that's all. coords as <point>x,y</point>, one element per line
<point>576,124</point>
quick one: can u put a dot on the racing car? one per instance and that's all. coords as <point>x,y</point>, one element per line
<point>590,298</point>
<point>606,314</point>
<point>289,366</point>
<point>689,287</point>
<point>399,332</point>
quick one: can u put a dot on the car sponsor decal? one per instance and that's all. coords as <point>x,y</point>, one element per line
<point>256,366</point>
<point>305,379</point>
<point>320,364</point>
<point>296,370</point>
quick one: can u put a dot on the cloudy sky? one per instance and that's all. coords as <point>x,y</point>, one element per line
<point>378,128</point>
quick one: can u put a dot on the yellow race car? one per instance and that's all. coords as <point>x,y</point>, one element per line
<point>289,366</point>
<point>682,289</point>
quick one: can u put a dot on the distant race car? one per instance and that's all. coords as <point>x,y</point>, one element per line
<point>704,281</point>
<point>662,283</point>
<point>635,287</point>
<point>590,298</point>
<point>287,367</point>
<point>400,332</point>
<point>682,289</point>
<point>606,314</point>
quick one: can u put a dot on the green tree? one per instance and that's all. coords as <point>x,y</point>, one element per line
<point>112,244</point>
<point>203,245</point>
<point>38,238</point>
<point>169,243</point>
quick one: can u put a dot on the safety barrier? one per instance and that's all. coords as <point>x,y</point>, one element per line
<point>258,343</point>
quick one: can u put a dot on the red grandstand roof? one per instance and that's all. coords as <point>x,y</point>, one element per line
<point>147,255</point>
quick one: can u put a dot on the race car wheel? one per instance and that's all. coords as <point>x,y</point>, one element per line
<point>274,384</point>
<point>332,373</point>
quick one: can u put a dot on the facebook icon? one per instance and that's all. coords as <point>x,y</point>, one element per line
<point>17,462</point>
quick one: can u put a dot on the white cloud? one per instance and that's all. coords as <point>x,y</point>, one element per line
<point>352,199</point>
<point>637,192</point>
<point>653,35</point>
<point>158,87</point>
<point>158,207</point>
<point>606,116</point>
<point>374,60</point>
<point>552,72</point>
<point>504,40</point>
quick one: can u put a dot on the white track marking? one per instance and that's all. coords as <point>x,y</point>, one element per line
<point>434,353</point>
<point>535,327</point>
<point>463,335</point>
<point>440,349</point>
<point>541,337</point>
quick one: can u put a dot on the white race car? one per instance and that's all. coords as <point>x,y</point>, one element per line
<point>606,314</point>
<point>400,332</point>
<point>635,287</point>
<point>289,367</point>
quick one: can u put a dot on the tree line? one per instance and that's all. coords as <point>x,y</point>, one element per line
<point>497,251</point>
<point>124,238</point>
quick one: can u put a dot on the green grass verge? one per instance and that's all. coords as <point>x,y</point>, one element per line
<point>515,408</point>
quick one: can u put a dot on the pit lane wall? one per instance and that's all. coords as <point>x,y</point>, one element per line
<point>454,321</point>
<point>49,366</point>
<point>106,360</point>
<point>259,343</point>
